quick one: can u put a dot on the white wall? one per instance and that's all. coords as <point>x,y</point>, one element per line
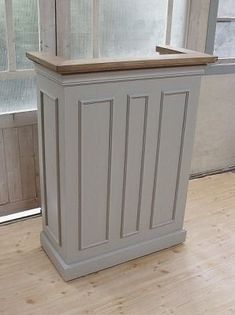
<point>214,146</point>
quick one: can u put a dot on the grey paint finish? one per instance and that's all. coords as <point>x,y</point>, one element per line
<point>136,123</point>
<point>220,68</point>
<point>94,170</point>
<point>112,258</point>
<point>170,138</point>
<point>212,19</point>
<point>115,159</point>
<point>51,170</point>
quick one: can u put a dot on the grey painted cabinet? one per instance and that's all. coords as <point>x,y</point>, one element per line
<point>115,152</point>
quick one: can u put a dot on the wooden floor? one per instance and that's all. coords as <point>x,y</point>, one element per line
<point>196,278</point>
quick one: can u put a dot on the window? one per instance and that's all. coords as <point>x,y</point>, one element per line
<point>18,34</point>
<point>84,29</point>
<point>225,30</point>
<point>115,28</point>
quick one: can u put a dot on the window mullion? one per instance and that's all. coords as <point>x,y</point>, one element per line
<point>228,60</point>
<point>17,75</point>
<point>10,34</point>
<point>226,19</point>
<point>186,30</point>
<point>63,28</point>
<point>169,21</point>
<point>47,25</point>
<point>211,26</point>
<point>39,27</point>
<point>95,29</point>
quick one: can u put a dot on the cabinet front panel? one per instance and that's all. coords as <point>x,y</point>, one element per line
<point>136,119</point>
<point>128,143</point>
<point>95,153</point>
<point>173,109</point>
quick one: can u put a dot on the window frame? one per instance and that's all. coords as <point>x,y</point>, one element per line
<point>12,72</point>
<point>46,40</point>
<point>63,26</point>
<point>224,65</point>
<point>52,33</point>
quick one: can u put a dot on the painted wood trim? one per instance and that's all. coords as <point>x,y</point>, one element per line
<point>10,35</point>
<point>198,24</point>
<point>18,74</point>
<point>63,27</point>
<point>220,68</point>
<point>186,29</point>
<point>169,21</point>
<point>146,101</point>
<point>226,19</point>
<point>80,104</point>
<point>186,105</point>
<point>58,171</point>
<point>47,25</point>
<point>58,238</point>
<point>152,225</point>
<point>43,158</point>
<point>174,58</point>
<point>95,28</point>
<point>211,28</point>
<point>167,49</point>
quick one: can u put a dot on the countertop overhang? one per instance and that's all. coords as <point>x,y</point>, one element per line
<point>167,57</point>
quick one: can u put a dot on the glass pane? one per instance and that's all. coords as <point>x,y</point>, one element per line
<point>3,47</point>
<point>226,8</point>
<point>131,28</point>
<point>81,29</point>
<point>225,39</point>
<point>179,21</point>
<point>26,30</point>
<point>17,95</point>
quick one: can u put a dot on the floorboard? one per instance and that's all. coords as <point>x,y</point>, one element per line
<point>195,278</point>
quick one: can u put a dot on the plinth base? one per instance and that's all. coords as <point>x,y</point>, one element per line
<point>81,268</point>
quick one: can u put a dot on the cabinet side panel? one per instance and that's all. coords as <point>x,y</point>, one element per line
<point>95,168</point>
<point>50,151</point>
<point>168,157</point>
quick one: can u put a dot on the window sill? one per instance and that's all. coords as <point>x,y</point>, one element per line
<point>221,68</point>
<point>18,119</point>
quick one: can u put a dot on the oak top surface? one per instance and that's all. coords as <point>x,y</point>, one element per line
<point>167,57</point>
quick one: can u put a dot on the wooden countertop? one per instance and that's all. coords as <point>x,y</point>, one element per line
<point>167,57</point>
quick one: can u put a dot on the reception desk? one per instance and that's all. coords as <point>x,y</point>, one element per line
<point>115,142</point>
